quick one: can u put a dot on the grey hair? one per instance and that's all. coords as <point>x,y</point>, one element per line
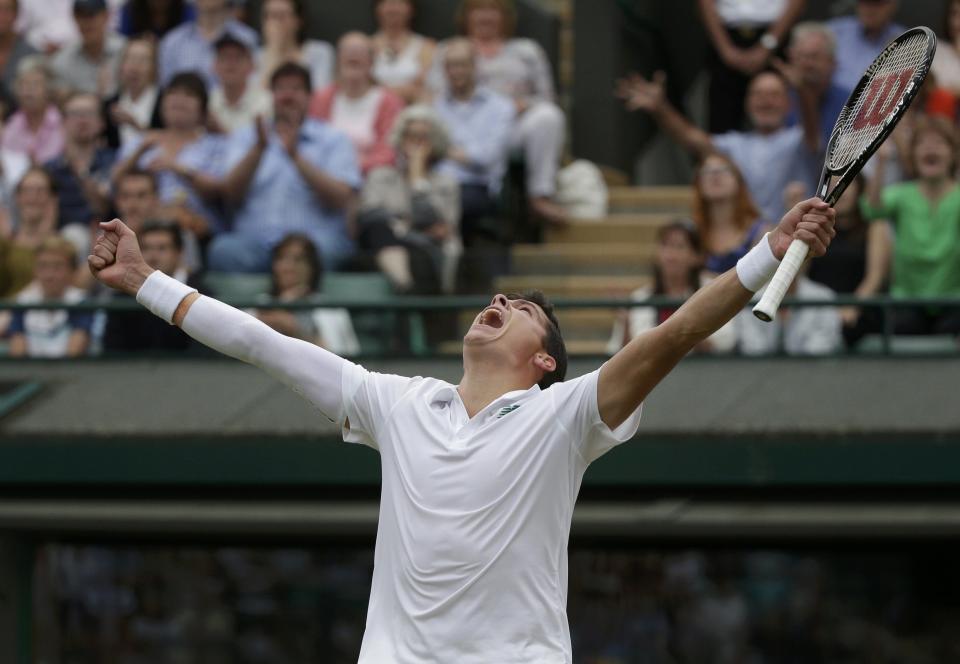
<point>439,138</point>
<point>806,28</point>
<point>33,63</point>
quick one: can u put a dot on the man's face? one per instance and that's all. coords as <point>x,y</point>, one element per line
<point>233,65</point>
<point>208,6</point>
<point>811,55</point>
<point>136,68</point>
<point>8,16</point>
<point>160,252</point>
<point>136,200</point>
<point>874,15</point>
<point>290,99</point>
<point>767,102</point>
<point>460,67</point>
<point>82,122</point>
<point>354,60</point>
<point>91,26</point>
<point>514,328</point>
<point>53,271</point>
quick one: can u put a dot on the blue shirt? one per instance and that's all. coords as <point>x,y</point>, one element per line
<point>830,106</point>
<point>855,51</point>
<point>769,162</point>
<point>480,127</point>
<point>204,155</point>
<point>74,207</point>
<point>185,49</point>
<point>279,201</point>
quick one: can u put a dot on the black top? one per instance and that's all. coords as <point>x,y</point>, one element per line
<point>843,266</point>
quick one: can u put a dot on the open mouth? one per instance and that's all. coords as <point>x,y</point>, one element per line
<point>491,318</point>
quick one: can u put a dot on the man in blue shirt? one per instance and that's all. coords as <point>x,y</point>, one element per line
<point>479,121</point>
<point>298,176</point>
<point>189,47</point>
<point>861,37</point>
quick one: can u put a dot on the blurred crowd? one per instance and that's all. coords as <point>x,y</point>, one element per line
<point>289,606</point>
<point>274,156</point>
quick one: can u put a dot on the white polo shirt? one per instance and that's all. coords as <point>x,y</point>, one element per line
<point>471,554</point>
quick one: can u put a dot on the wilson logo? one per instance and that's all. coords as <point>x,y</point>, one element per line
<point>881,98</point>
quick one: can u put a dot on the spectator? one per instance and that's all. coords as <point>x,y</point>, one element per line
<point>12,167</point>
<point>36,207</point>
<point>676,274</point>
<point>861,37</point>
<point>136,199</point>
<point>409,212</point>
<point>743,37</point>
<point>518,69</point>
<point>90,65</point>
<point>809,70</point>
<point>136,106</point>
<point>297,275</point>
<point>189,47</point>
<point>284,40</point>
<point>479,121</point>
<point>237,100</point>
<point>356,105</point>
<point>154,17</point>
<point>301,166</point>
<point>946,63</point>
<point>13,48</point>
<point>846,270</point>
<point>725,215</point>
<point>82,172</point>
<point>162,248</point>
<point>36,129</point>
<point>51,333</point>
<point>800,331</point>
<point>184,157</point>
<point>403,57</point>
<point>924,214</point>
<point>48,25</point>
<point>770,155</point>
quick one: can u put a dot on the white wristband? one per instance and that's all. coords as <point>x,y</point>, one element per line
<point>757,267</point>
<point>162,294</point>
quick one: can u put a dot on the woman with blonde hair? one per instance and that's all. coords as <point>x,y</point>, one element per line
<point>410,211</point>
<point>727,219</point>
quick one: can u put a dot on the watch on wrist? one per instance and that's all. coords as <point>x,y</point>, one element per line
<point>769,41</point>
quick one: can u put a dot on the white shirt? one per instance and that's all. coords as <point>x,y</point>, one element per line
<point>356,117</point>
<point>141,109</point>
<point>471,555</point>
<point>253,102</point>
<point>394,70</point>
<point>750,12</point>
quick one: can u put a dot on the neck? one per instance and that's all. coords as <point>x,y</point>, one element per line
<point>184,133</point>
<point>936,185</point>
<point>355,88</point>
<point>395,32</point>
<point>95,48</point>
<point>32,231</point>
<point>480,386</point>
<point>294,292</point>
<point>209,21</point>
<point>136,90</point>
<point>721,213</point>
<point>234,92</point>
<point>464,93</point>
<point>34,117</point>
<point>675,284</point>
<point>7,40</point>
<point>80,151</point>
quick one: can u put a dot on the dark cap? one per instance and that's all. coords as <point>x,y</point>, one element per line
<point>230,39</point>
<point>89,7</point>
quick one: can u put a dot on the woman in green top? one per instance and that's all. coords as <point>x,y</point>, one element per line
<point>925,215</point>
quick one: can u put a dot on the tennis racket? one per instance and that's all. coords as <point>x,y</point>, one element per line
<point>874,108</point>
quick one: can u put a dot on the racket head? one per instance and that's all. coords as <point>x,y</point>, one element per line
<point>877,104</point>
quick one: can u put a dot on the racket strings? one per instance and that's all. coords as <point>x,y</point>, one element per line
<point>864,120</point>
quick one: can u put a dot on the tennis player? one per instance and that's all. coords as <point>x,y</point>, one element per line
<point>479,478</point>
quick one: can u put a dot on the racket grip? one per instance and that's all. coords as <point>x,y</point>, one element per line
<point>767,307</point>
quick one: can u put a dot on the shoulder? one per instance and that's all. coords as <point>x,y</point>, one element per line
<point>115,43</point>
<point>523,47</point>
<point>842,24</point>
<point>315,48</point>
<point>243,31</point>
<point>182,32</point>
<point>383,175</point>
<point>493,99</point>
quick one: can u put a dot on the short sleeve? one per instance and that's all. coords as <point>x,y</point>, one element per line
<point>339,161</point>
<point>80,320</point>
<point>576,409</point>
<point>368,399</point>
<point>889,203</point>
<point>16,324</point>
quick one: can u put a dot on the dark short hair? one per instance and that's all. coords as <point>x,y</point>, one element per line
<point>552,339</point>
<point>291,69</point>
<point>192,84</point>
<point>138,173</point>
<point>47,175</point>
<point>172,230</point>
<point>313,259</point>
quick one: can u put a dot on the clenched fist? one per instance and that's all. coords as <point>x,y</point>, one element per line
<point>116,259</point>
<point>812,221</point>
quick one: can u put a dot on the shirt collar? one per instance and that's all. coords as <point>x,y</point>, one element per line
<point>447,394</point>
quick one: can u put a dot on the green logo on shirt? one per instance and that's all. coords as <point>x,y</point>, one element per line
<point>507,409</point>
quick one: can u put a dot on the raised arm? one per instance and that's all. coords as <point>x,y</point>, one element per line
<point>628,377</point>
<point>237,181</point>
<point>310,371</point>
<point>640,94</point>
